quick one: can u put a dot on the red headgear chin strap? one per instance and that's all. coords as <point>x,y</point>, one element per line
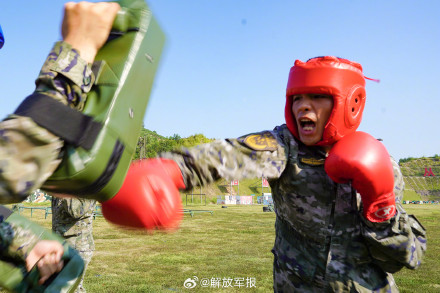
<point>340,78</point>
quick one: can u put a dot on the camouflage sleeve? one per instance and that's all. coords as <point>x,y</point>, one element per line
<point>65,76</point>
<point>16,241</point>
<point>255,155</point>
<point>399,242</point>
<point>29,153</point>
<point>6,236</point>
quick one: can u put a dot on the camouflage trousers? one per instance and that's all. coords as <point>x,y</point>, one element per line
<point>73,220</point>
<point>87,257</point>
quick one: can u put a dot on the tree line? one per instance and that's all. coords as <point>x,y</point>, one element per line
<point>436,157</point>
<point>150,144</point>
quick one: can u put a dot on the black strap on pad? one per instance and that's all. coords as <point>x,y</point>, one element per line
<point>69,124</point>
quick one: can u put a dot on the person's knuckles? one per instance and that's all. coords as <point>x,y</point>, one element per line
<point>69,5</point>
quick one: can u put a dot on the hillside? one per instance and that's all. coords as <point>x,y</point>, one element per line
<point>146,139</point>
<point>422,176</point>
<point>222,188</point>
<point>150,143</point>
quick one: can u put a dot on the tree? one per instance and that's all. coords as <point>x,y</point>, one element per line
<point>150,144</point>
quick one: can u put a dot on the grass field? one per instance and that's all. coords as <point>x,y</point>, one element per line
<point>233,244</point>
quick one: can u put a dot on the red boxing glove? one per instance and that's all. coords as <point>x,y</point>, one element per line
<point>151,193</point>
<point>364,160</point>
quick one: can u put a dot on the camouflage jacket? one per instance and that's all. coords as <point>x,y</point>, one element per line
<point>72,219</point>
<point>28,153</point>
<point>15,241</point>
<point>322,242</point>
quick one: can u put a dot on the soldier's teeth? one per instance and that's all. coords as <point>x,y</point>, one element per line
<point>306,123</point>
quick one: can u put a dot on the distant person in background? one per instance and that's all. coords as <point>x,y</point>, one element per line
<point>29,153</point>
<point>72,219</point>
<point>340,225</point>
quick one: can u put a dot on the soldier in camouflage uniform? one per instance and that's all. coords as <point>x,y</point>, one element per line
<point>29,153</point>
<point>327,240</point>
<point>72,219</point>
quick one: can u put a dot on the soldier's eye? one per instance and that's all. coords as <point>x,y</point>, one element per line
<point>321,96</point>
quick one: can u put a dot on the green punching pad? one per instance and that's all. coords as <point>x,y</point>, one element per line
<point>14,276</point>
<point>124,68</point>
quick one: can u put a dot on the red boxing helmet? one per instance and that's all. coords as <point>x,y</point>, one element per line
<point>340,78</point>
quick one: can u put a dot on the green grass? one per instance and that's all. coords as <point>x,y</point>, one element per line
<point>410,195</point>
<point>427,277</point>
<point>234,242</point>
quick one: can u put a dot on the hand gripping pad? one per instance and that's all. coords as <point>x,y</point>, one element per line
<point>14,276</point>
<point>125,68</point>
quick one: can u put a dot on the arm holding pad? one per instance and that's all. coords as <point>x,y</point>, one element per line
<point>97,155</point>
<point>14,276</point>
<point>101,140</point>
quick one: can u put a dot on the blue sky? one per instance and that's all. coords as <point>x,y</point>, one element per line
<point>225,67</point>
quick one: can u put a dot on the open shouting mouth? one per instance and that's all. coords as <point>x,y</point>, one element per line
<point>306,125</point>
